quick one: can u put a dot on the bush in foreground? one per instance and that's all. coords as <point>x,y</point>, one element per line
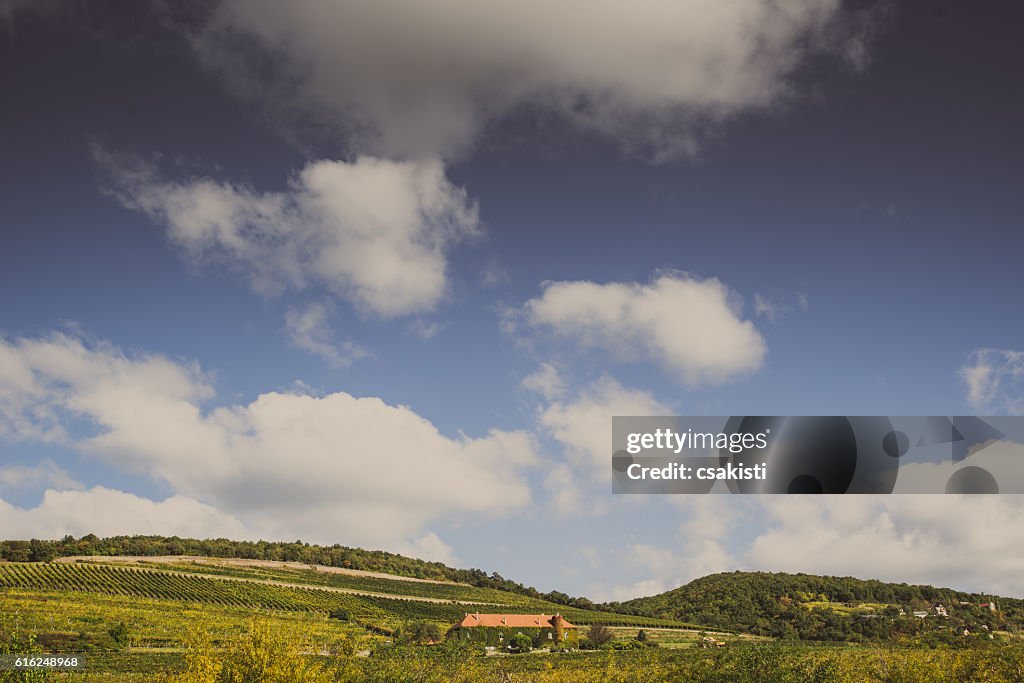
<point>263,655</point>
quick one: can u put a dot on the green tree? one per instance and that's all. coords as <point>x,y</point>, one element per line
<point>599,634</point>
<point>422,632</point>
<point>520,642</point>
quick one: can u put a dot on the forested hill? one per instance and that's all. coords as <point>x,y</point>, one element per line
<point>827,607</point>
<point>330,556</point>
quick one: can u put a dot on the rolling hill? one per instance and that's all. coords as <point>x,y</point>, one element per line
<point>826,607</point>
<point>372,602</point>
<point>377,592</point>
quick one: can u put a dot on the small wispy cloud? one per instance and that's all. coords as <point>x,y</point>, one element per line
<point>545,381</point>
<point>777,306</point>
<point>493,274</point>
<point>309,330</point>
<point>995,381</point>
<point>425,329</point>
<point>768,308</point>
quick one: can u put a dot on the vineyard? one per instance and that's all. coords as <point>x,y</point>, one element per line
<point>134,621</point>
<point>471,598</point>
<point>353,582</point>
<point>252,589</point>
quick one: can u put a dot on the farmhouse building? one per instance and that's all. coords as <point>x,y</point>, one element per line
<point>498,629</point>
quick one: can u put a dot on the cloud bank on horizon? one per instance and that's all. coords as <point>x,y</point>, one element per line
<point>373,228</point>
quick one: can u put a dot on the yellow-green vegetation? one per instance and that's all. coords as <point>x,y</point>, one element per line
<point>289,590</point>
<point>195,622</point>
<point>264,654</point>
<point>844,607</point>
<point>79,621</point>
<point>744,664</point>
<point>680,638</point>
<point>197,643</point>
<point>272,656</point>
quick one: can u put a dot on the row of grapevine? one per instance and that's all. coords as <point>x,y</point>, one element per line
<point>165,585</point>
<point>486,599</point>
<point>237,592</point>
<point>369,584</point>
<point>91,578</point>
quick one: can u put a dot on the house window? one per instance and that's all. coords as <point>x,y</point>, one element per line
<point>551,636</point>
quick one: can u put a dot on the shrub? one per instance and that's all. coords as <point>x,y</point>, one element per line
<point>599,634</point>
<point>263,655</point>
<point>520,642</point>
<point>119,634</point>
<point>421,632</point>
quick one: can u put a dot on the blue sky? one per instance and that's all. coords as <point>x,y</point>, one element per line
<point>387,288</point>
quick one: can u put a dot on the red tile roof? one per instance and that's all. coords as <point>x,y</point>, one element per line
<point>510,620</point>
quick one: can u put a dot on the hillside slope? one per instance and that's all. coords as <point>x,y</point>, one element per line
<point>376,561</point>
<point>372,602</point>
<point>826,607</point>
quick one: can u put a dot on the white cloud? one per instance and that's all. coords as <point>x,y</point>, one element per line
<point>651,558</point>
<point>691,327</point>
<point>968,542</point>
<point>546,381</point>
<point>407,79</point>
<point>373,231</point>
<point>563,493</point>
<point>43,381</point>
<point>1004,460</point>
<point>46,474</point>
<point>331,468</point>
<point>702,547</point>
<point>706,532</point>
<point>964,542</point>
<point>583,425</point>
<point>636,589</point>
<point>995,381</point>
<point>106,512</point>
<point>309,329</point>
<point>430,547</point>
